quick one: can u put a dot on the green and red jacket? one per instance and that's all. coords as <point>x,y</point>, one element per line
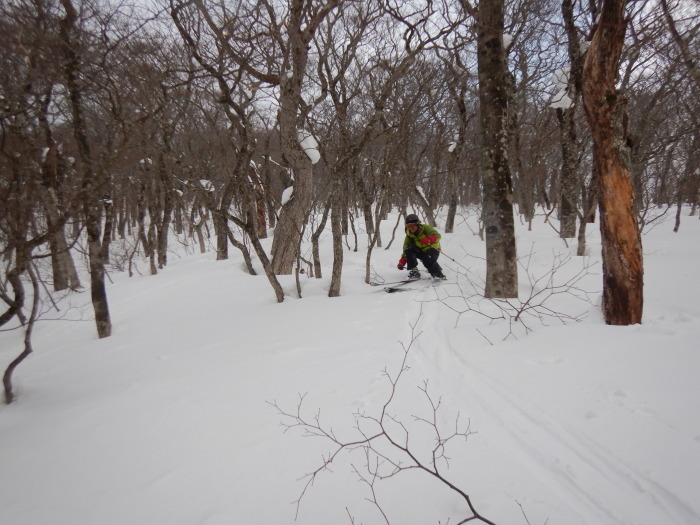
<point>424,230</point>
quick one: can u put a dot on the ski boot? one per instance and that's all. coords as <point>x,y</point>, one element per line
<point>413,273</point>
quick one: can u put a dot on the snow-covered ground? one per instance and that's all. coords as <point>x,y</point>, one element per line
<point>170,421</point>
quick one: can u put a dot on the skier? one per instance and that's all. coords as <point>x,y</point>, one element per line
<point>422,242</point>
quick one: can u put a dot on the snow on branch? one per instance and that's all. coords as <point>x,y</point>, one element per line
<point>309,144</point>
<point>287,195</point>
<point>561,99</point>
<point>507,41</point>
<point>206,185</point>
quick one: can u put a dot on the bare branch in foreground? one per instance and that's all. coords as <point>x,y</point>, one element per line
<point>385,442</point>
<point>544,289</point>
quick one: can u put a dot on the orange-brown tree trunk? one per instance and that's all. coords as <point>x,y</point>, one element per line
<point>622,245</point>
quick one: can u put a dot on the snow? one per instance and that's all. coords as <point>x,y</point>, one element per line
<point>561,77</point>
<point>207,185</point>
<point>169,420</point>
<point>287,195</point>
<point>507,40</point>
<point>561,100</point>
<point>309,145</point>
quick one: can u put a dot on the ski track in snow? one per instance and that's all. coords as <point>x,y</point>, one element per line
<point>605,486</point>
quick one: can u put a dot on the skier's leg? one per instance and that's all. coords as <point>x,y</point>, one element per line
<point>429,260</point>
<point>412,255</point>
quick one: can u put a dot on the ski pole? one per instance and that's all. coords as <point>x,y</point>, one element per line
<point>453,260</point>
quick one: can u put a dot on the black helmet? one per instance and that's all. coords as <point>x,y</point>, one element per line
<point>412,219</point>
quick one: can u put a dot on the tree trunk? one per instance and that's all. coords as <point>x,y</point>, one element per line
<point>337,232</point>
<point>622,244</point>
<point>568,183</point>
<point>315,237</point>
<point>247,259</point>
<point>292,219</point>
<point>573,190</point>
<point>98,290</point>
<point>501,253</point>
<point>36,301</point>
<point>168,207</point>
<point>108,227</point>
<point>686,185</point>
<point>92,180</point>
<point>428,209</point>
<point>267,267</point>
<point>338,212</point>
<point>590,200</point>
<point>295,212</point>
<point>14,278</point>
<point>451,210</point>
<point>63,268</point>
<point>261,211</point>
<point>363,195</point>
<point>221,229</point>
<point>683,46</point>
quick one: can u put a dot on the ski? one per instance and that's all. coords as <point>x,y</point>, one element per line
<point>398,286</point>
<point>403,281</point>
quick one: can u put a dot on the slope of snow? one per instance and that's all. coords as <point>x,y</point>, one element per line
<point>170,420</point>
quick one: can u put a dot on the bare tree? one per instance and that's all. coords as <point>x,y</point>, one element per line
<point>31,76</point>
<point>304,19</point>
<point>501,251</point>
<point>93,182</point>
<point>28,331</point>
<point>605,110</point>
<point>566,115</point>
<point>683,45</point>
<point>457,87</point>
<point>373,101</point>
<point>384,441</point>
<point>272,48</point>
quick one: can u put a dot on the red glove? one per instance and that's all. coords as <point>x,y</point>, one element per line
<point>430,239</point>
<point>402,263</point>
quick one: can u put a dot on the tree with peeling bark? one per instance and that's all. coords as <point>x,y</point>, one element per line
<point>605,111</point>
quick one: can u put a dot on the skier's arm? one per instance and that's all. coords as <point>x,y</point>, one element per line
<point>432,231</point>
<point>430,236</point>
<point>406,244</point>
